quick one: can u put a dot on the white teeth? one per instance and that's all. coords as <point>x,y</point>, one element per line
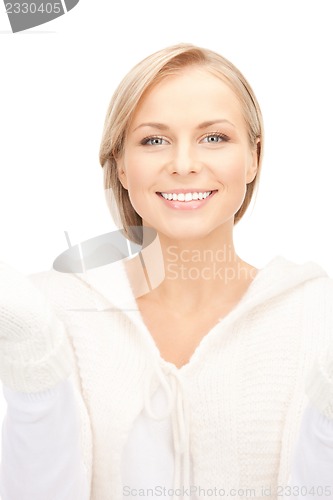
<point>186,196</point>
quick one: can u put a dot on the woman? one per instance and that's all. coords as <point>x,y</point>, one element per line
<point>187,365</point>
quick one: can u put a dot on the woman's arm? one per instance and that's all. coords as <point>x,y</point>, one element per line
<point>40,446</point>
<point>35,353</point>
<point>312,468</point>
<point>40,434</point>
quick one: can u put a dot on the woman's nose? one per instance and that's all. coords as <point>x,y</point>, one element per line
<point>184,160</point>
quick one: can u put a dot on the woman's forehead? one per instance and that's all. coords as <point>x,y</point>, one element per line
<point>194,92</point>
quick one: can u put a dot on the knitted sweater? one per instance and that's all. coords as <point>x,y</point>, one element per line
<point>41,446</point>
<point>242,393</point>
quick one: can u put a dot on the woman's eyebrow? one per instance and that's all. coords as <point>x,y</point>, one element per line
<point>163,126</point>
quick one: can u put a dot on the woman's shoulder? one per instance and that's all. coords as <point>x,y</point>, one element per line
<point>320,291</point>
<point>64,290</point>
<point>98,289</point>
<point>290,276</point>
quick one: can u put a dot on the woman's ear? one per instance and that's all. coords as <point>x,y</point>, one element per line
<point>253,164</point>
<point>121,172</point>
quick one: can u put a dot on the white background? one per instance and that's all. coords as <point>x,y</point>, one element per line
<point>56,83</point>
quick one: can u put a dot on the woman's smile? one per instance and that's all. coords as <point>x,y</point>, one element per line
<point>186,199</point>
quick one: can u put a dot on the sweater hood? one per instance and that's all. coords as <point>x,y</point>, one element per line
<point>117,284</point>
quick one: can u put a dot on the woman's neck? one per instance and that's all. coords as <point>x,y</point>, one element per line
<point>187,275</point>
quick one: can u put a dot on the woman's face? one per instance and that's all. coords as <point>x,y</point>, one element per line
<point>188,139</point>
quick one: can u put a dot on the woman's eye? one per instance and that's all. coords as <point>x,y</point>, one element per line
<point>160,141</point>
<point>215,138</point>
<point>154,141</point>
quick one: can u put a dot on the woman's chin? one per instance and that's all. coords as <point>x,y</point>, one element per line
<point>183,235</point>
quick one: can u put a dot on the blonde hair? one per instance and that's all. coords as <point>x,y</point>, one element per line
<point>124,102</point>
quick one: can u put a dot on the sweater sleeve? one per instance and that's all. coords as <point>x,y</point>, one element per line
<point>40,446</point>
<point>319,384</point>
<point>35,352</point>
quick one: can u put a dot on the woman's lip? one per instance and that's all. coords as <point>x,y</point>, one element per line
<point>186,205</point>
<point>192,190</point>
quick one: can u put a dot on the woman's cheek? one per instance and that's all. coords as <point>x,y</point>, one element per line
<point>233,169</point>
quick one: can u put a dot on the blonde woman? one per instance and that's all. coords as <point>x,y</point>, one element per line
<point>156,362</point>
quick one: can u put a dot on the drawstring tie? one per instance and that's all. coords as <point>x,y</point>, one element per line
<point>178,410</point>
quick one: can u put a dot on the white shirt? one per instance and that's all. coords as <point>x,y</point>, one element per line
<point>312,471</point>
<point>41,456</point>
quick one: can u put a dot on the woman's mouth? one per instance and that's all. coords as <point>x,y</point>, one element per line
<point>186,200</point>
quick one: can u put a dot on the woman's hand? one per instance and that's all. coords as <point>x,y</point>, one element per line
<point>35,353</point>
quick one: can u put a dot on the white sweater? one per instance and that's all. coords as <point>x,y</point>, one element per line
<point>57,473</point>
<point>240,399</point>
